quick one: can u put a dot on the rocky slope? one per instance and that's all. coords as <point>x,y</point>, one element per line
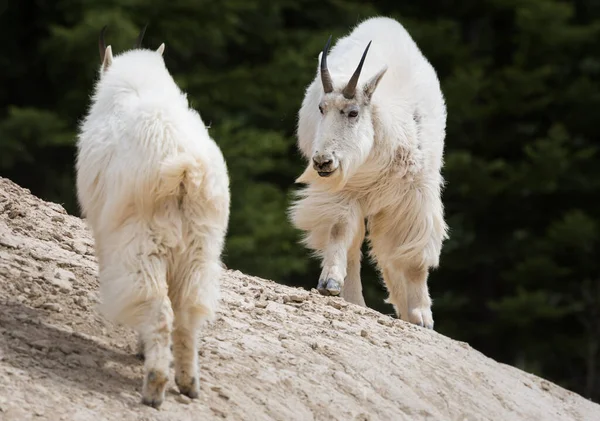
<point>275,353</point>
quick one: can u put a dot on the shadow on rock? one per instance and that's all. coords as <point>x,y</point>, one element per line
<point>50,351</point>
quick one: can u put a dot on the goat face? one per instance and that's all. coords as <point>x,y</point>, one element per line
<point>345,133</point>
<point>344,136</point>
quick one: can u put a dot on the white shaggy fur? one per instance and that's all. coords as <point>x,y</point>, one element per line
<point>382,165</point>
<point>154,188</point>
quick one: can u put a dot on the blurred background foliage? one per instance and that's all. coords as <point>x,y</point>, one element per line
<point>520,276</point>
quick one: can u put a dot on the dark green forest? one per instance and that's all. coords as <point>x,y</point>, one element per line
<point>519,277</point>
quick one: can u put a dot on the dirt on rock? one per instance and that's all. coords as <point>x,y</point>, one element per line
<point>274,353</point>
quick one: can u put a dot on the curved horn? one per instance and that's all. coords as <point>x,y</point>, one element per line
<point>350,89</point>
<point>325,76</point>
<point>138,42</point>
<point>102,44</point>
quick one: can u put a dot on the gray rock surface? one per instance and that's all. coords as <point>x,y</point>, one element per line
<point>275,352</point>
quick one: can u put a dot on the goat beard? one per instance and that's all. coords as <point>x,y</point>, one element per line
<point>333,183</point>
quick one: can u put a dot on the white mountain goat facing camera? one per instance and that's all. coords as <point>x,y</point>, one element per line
<point>375,152</point>
<point>154,188</point>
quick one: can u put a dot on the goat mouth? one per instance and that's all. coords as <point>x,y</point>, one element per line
<point>325,173</point>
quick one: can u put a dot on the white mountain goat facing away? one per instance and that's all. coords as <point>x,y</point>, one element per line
<point>154,188</point>
<point>375,152</point>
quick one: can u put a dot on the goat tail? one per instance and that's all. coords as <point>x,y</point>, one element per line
<point>182,171</point>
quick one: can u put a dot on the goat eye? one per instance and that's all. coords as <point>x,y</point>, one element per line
<point>321,109</point>
<point>353,113</point>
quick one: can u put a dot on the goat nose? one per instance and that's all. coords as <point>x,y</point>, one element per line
<point>322,161</point>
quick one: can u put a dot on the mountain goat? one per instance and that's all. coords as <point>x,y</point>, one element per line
<point>154,188</point>
<point>375,152</point>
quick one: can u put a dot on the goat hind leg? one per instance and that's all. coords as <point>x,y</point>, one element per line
<point>195,291</point>
<point>139,348</point>
<point>185,351</point>
<point>134,292</point>
<point>155,334</point>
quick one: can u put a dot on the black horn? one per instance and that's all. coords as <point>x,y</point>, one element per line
<point>138,42</point>
<point>325,76</point>
<point>102,44</point>
<point>350,89</point>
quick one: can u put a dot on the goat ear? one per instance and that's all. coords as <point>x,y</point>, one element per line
<point>371,85</point>
<point>108,59</point>
<point>161,49</point>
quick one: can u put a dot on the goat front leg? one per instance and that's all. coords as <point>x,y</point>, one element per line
<point>417,296</point>
<point>409,294</point>
<point>352,291</point>
<point>335,258</point>
<point>395,284</point>
<point>330,224</point>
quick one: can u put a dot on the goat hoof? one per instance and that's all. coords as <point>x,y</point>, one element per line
<point>191,393</point>
<point>421,317</point>
<point>154,403</point>
<point>154,389</point>
<point>333,287</point>
<point>187,385</point>
<point>329,287</point>
<point>322,287</point>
